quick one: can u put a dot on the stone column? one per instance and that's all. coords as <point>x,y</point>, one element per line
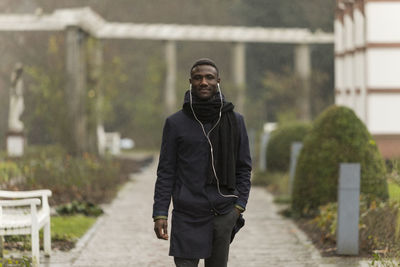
<point>76,88</point>
<point>97,135</point>
<point>303,71</point>
<point>170,85</point>
<point>239,75</point>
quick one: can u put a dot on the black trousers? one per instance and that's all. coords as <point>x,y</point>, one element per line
<point>223,225</point>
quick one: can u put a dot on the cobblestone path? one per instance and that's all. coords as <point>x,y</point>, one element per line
<point>124,235</point>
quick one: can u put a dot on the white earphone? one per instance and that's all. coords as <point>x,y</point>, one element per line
<point>207,135</point>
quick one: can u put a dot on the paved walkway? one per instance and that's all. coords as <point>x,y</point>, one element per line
<point>124,235</point>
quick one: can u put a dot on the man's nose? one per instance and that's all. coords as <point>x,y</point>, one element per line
<point>203,81</point>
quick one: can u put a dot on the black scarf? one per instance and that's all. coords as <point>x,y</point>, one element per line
<point>224,138</point>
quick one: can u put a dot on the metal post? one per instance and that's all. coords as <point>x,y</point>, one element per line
<point>239,74</point>
<point>294,154</point>
<point>263,151</point>
<point>303,70</point>
<point>76,87</point>
<point>267,129</point>
<point>252,141</point>
<point>170,86</point>
<point>348,209</point>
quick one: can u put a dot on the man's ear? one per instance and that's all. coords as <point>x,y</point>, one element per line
<point>218,80</point>
<point>190,80</point>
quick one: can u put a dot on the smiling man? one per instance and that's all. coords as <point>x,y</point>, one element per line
<point>205,168</point>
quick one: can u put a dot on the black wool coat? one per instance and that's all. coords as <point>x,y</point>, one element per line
<point>182,175</point>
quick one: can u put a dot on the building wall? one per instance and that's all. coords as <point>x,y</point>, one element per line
<point>367,66</point>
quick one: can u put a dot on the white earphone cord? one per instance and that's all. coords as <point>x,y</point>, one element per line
<point>207,135</point>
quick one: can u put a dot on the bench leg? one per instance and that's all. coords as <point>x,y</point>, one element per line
<point>47,238</point>
<point>35,247</point>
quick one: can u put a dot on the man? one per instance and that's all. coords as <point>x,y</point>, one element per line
<point>205,167</point>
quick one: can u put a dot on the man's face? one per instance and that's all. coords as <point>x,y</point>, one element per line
<point>204,80</point>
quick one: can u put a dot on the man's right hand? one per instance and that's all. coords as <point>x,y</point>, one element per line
<point>161,229</point>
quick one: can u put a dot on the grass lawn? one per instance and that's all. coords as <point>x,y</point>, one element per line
<point>65,231</point>
<point>394,191</point>
<point>70,227</point>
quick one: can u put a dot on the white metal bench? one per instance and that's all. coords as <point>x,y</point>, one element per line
<point>17,221</point>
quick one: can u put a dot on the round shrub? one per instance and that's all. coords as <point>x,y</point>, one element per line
<point>337,136</point>
<point>279,145</point>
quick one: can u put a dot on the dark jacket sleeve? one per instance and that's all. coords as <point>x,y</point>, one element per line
<point>243,165</point>
<point>166,171</point>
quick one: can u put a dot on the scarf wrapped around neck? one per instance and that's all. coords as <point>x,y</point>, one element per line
<point>224,138</point>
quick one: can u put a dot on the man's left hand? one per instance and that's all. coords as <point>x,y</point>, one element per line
<point>237,211</point>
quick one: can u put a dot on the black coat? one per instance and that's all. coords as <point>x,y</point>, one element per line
<point>181,174</point>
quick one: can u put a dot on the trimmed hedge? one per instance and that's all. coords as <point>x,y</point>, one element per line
<point>337,136</point>
<point>278,149</point>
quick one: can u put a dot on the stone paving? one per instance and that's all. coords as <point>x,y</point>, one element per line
<point>124,235</point>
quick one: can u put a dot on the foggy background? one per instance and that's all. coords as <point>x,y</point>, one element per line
<point>133,79</point>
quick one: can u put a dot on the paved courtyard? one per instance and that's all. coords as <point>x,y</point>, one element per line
<point>124,235</point>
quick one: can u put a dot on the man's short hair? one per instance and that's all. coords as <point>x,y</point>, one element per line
<point>204,61</point>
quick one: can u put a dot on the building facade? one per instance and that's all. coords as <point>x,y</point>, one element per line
<point>367,67</point>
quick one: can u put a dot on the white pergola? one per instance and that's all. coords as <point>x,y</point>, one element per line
<point>80,22</point>
<point>95,25</point>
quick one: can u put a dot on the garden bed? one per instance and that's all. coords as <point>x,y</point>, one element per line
<point>79,185</point>
<point>379,221</point>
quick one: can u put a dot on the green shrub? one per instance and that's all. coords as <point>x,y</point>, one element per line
<point>76,207</point>
<point>8,170</point>
<point>279,145</point>
<point>393,167</point>
<point>337,136</point>
<point>85,179</point>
